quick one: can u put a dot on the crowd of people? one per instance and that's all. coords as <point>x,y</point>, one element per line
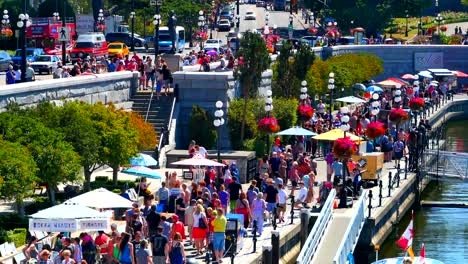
<point>203,58</point>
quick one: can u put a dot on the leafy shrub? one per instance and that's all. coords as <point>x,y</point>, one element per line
<point>10,221</point>
<point>202,129</point>
<point>101,178</point>
<point>17,236</point>
<point>234,115</point>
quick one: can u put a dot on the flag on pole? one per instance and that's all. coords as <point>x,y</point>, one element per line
<point>406,240</point>
<point>422,255</point>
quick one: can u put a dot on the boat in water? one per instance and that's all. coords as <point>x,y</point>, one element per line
<point>407,260</point>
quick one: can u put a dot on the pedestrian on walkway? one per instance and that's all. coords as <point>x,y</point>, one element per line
<point>258,212</point>
<point>176,251</point>
<point>219,235</point>
<point>158,245</point>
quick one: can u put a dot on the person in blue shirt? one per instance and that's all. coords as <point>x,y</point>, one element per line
<point>234,170</point>
<point>10,75</point>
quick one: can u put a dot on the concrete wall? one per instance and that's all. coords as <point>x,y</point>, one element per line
<point>116,87</point>
<point>401,59</point>
<point>204,89</point>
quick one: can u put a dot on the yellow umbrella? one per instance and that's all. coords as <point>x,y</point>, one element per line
<point>336,134</point>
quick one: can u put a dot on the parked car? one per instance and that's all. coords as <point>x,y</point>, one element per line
<point>90,44</point>
<point>45,63</point>
<point>213,43</point>
<point>117,49</point>
<point>310,40</point>
<point>31,54</point>
<point>345,41</point>
<point>125,37</point>
<point>224,25</point>
<point>5,61</point>
<point>250,16</point>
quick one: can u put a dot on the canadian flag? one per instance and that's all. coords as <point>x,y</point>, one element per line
<point>406,240</point>
<point>422,255</point>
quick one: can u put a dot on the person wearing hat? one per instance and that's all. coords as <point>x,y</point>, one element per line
<point>10,75</point>
<point>44,257</point>
<point>177,227</point>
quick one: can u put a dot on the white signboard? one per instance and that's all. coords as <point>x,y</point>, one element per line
<point>84,24</point>
<point>428,60</point>
<point>63,34</point>
<point>59,225</point>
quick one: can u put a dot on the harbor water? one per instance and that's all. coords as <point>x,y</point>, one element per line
<point>444,231</point>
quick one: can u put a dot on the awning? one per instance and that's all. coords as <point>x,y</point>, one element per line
<point>441,72</point>
<point>460,74</point>
<point>393,82</point>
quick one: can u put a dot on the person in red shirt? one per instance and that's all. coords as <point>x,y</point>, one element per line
<point>177,227</point>
<point>132,66</point>
<point>120,67</point>
<point>135,57</point>
<point>102,239</point>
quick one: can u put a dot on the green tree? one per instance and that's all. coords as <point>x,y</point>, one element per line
<point>282,72</point>
<point>17,173</point>
<point>317,77</point>
<point>303,59</point>
<point>201,127</point>
<point>48,7</point>
<point>285,111</point>
<point>253,59</point>
<point>235,116</point>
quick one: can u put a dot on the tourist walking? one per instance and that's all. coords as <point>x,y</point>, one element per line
<point>176,251</point>
<point>282,197</point>
<point>258,212</point>
<point>126,250</point>
<point>219,234</point>
<point>200,226</point>
<point>243,208</point>
<point>143,255</point>
<point>158,246</point>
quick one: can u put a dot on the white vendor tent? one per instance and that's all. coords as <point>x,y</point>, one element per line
<point>68,217</point>
<point>101,199</point>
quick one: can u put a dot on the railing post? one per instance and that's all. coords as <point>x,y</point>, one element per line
<point>267,252</point>
<point>305,218</point>
<point>254,239</point>
<point>389,184</point>
<point>292,209</point>
<point>275,211</point>
<point>370,203</point>
<point>406,167</point>
<point>380,192</point>
<point>398,176</point>
<point>275,243</point>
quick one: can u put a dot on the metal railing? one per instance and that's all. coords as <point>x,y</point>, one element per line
<point>161,138</point>
<point>318,230</point>
<point>351,235</point>
<point>149,106</point>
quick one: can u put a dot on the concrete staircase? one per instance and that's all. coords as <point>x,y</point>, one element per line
<point>159,112</point>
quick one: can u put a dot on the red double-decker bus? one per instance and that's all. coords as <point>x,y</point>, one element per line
<point>44,31</point>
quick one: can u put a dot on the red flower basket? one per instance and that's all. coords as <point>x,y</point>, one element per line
<point>416,103</point>
<point>344,148</point>
<point>101,27</point>
<point>375,130</point>
<point>313,30</point>
<point>268,125</point>
<point>443,28</point>
<point>397,115</point>
<point>305,111</point>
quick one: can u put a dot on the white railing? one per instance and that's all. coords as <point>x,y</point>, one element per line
<point>351,235</point>
<point>318,230</point>
<point>161,138</point>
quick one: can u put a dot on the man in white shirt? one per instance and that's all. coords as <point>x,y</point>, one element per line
<point>282,197</point>
<point>201,151</point>
<point>301,198</point>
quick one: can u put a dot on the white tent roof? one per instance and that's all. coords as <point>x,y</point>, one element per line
<point>68,211</point>
<point>101,198</point>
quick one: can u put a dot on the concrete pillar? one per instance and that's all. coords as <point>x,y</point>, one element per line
<point>267,251</point>
<point>305,218</point>
<point>275,243</point>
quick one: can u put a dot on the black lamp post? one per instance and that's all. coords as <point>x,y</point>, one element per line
<point>132,16</point>
<point>218,122</point>
<point>237,32</point>
<point>439,19</point>
<point>406,17</point>
<point>268,109</point>
<point>201,25</point>
<point>345,127</point>
<point>156,23</point>
<point>397,97</point>
<point>331,88</point>
<point>101,18</point>
<point>23,24</point>
<point>5,23</point>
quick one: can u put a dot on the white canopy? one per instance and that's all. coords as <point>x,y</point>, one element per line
<point>101,198</point>
<point>198,160</point>
<point>68,217</point>
<point>351,99</point>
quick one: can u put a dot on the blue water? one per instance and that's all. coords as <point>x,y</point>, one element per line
<point>444,231</point>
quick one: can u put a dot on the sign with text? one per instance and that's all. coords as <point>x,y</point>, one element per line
<point>428,60</point>
<point>84,24</point>
<point>49,225</point>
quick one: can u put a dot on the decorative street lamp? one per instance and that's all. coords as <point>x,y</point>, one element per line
<point>397,97</point>
<point>237,30</point>
<point>132,16</point>
<point>406,17</point>
<point>345,127</point>
<point>290,29</point>
<point>331,88</point>
<point>56,16</point>
<point>5,27</point>
<point>304,96</point>
<point>23,24</point>
<point>312,19</point>
<point>100,18</point>
<point>268,108</point>
<point>201,25</point>
<point>374,107</point>
<point>266,30</point>
<point>439,19</point>
<point>218,122</point>
<point>156,23</point>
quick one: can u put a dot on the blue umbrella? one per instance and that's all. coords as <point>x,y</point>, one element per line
<point>374,88</point>
<point>143,172</point>
<point>143,160</point>
<point>296,131</point>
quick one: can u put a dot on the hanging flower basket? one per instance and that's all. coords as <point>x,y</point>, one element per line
<point>201,35</point>
<point>375,130</point>
<point>305,111</point>
<point>7,32</point>
<point>443,28</point>
<point>344,148</point>
<point>101,27</point>
<point>409,91</point>
<point>397,115</point>
<point>268,125</point>
<point>416,103</point>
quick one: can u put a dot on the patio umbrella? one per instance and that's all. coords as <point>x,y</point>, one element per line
<point>68,217</point>
<point>143,172</point>
<point>211,52</point>
<point>425,74</point>
<point>296,131</point>
<point>460,74</point>
<point>198,160</point>
<point>374,88</point>
<point>360,86</point>
<point>143,160</point>
<point>351,99</point>
<point>101,198</point>
<point>336,134</point>
<point>407,76</point>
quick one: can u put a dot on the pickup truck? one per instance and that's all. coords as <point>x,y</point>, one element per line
<point>31,54</point>
<point>45,63</point>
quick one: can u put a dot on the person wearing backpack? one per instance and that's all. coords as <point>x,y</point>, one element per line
<point>398,151</point>
<point>175,250</point>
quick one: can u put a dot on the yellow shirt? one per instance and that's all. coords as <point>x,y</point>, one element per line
<point>219,224</point>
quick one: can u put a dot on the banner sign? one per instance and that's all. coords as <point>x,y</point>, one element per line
<point>94,224</point>
<point>49,225</point>
<point>428,60</point>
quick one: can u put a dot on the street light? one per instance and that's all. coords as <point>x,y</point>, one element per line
<point>132,16</point>
<point>237,31</point>
<point>5,23</point>
<point>218,122</point>
<point>23,24</point>
<point>331,88</point>
<point>312,19</point>
<point>56,16</point>
<point>439,19</point>
<point>156,23</point>
<point>201,25</point>
<point>345,127</point>
<point>406,16</point>
<point>397,98</point>
<point>100,17</point>
<point>268,108</point>
<point>304,94</point>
